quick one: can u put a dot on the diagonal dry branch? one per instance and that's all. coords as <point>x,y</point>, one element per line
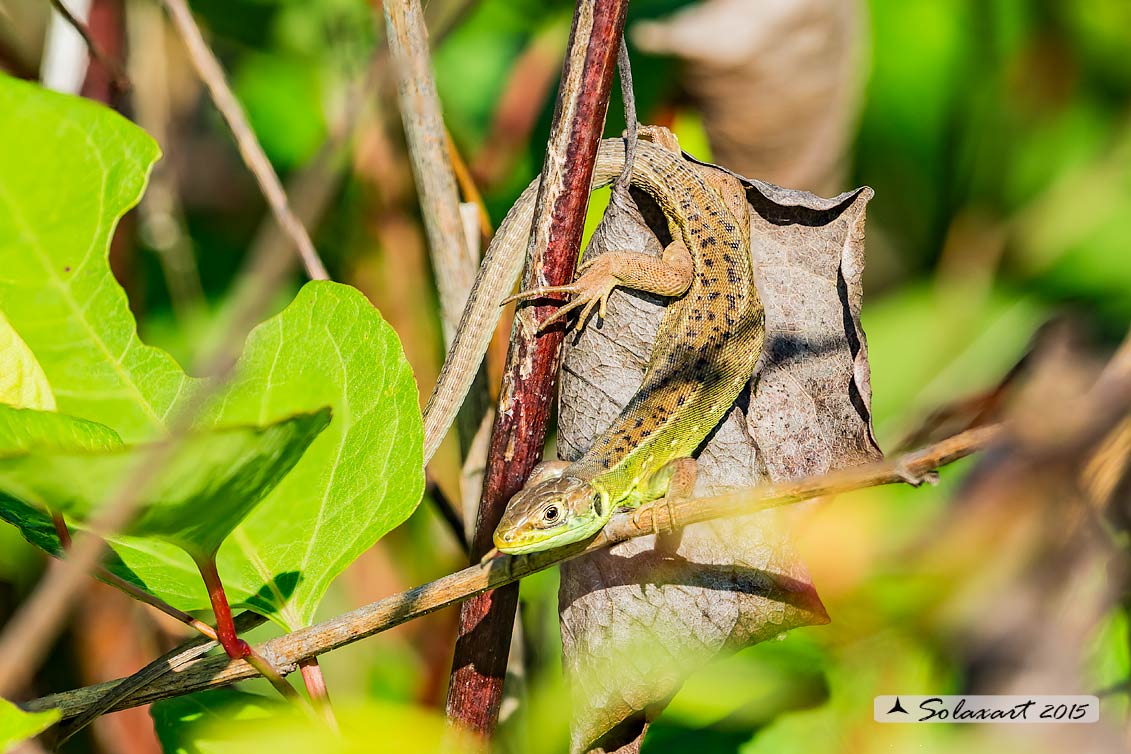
<point>285,652</point>
<point>210,72</point>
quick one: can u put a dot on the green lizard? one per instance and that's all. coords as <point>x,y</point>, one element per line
<point>706,350</point>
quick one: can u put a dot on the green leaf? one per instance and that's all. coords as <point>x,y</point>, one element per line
<point>220,722</point>
<point>78,168</point>
<point>22,381</point>
<point>363,477</point>
<point>186,724</point>
<point>205,486</point>
<point>17,726</point>
<point>71,170</point>
<point>360,479</point>
<point>25,430</point>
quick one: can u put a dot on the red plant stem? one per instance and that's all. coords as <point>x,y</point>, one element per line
<point>486,621</point>
<point>237,648</point>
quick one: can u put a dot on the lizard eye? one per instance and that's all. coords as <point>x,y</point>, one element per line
<point>550,514</point>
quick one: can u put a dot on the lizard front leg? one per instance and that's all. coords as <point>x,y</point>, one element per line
<point>674,481</point>
<point>669,275</point>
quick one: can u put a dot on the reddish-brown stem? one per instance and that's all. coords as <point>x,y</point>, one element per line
<point>316,687</point>
<point>479,665</point>
<point>237,648</point>
<point>226,634</point>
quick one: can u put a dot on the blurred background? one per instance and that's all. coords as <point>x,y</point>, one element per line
<point>997,136</point>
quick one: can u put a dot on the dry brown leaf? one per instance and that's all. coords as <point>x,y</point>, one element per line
<point>634,624</point>
<point>778,82</point>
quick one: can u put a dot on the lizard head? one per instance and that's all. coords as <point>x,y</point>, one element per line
<point>551,513</point>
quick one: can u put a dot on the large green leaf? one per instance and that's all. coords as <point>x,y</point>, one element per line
<point>22,381</point>
<point>71,169</point>
<point>77,168</point>
<point>17,726</point>
<point>207,484</point>
<point>363,477</point>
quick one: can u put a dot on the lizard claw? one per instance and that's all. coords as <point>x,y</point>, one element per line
<point>914,479</point>
<point>591,288</point>
<point>543,292</point>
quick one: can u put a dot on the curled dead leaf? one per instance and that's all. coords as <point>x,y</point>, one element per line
<point>636,624</point>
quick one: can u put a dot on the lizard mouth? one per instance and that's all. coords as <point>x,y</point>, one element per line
<point>513,543</point>
<point>516,542</point>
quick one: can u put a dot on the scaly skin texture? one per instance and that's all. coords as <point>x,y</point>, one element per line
<point>502,265</point>
<point>706,350</point>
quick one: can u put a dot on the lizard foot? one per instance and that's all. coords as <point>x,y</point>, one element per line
<point>914,479</point>
<point>648,517</point>
<point>668,539</point>
<point>591,288</point>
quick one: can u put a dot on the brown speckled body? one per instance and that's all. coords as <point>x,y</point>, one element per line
<point>707,348</point>
<point>709,341</point>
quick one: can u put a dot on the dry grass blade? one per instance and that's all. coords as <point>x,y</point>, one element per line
<point>209,70</point>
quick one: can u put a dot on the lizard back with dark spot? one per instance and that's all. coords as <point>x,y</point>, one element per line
<point>708,343</point>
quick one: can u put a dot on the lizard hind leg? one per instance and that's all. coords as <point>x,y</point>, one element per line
<point>670,275</point>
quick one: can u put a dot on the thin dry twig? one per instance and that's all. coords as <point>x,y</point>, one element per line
<point>193,649</point>
<point>210,72</point>
<point>428,155</point>
<point>312,188</point>
<point>287,651</point>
